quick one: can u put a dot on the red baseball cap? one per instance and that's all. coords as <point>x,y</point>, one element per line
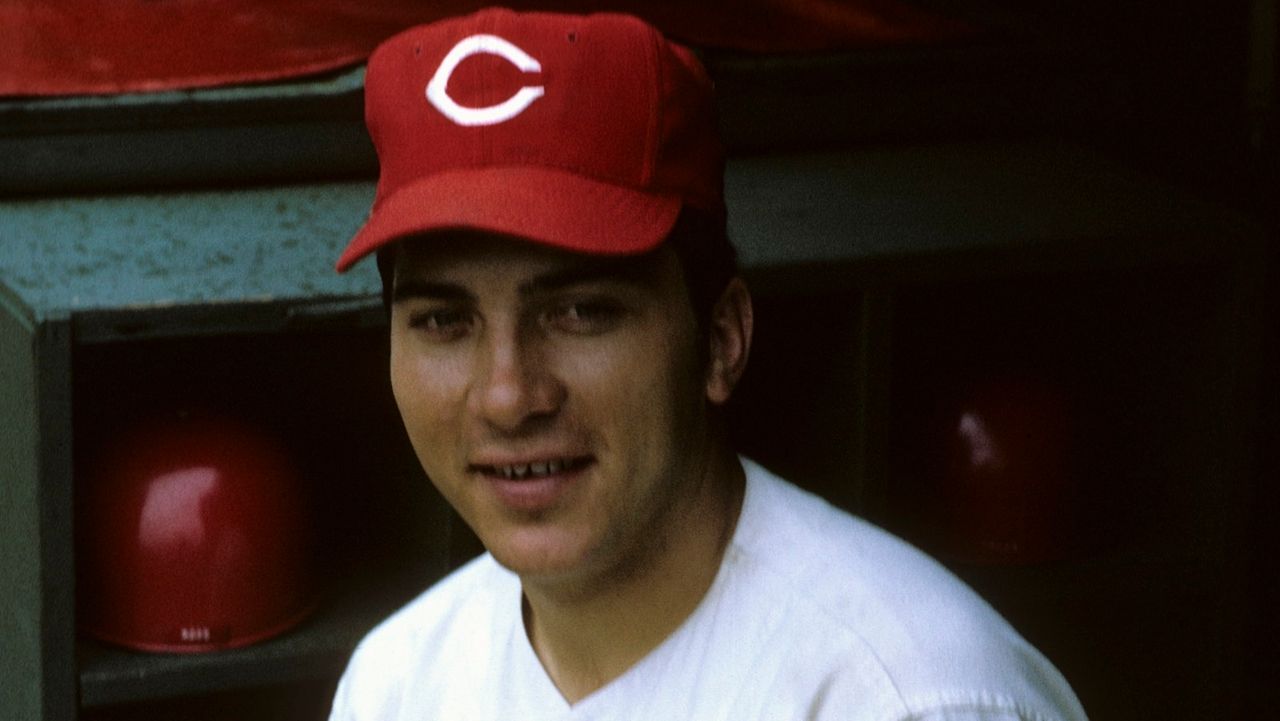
<point>588,133</point>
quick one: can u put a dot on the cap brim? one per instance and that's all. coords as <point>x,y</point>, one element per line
<point>551,207</point>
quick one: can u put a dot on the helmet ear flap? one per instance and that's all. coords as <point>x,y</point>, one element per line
<point>193,535</point>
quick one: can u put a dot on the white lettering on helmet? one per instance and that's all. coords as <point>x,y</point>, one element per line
<point>438,95</point>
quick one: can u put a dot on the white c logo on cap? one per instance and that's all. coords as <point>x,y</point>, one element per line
<point>494,114</point>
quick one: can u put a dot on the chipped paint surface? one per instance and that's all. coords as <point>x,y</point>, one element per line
<point>63,255</point>
<point>280,243</point>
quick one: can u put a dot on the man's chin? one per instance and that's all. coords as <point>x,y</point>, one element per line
<point>539,560</point>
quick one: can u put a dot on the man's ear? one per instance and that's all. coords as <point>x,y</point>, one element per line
<point>730,339</point>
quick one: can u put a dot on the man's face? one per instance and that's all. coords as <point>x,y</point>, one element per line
<point>555,399</point>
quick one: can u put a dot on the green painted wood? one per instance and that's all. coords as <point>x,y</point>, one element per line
<point>57,534</point>
<point>270,132</point>
<point>933,201</point>
<point>68,255</point>
<point>20,663</point>
<point>318,649</point>
<point>37,667</point>
<point>309,98</point>
<point>278,244</point>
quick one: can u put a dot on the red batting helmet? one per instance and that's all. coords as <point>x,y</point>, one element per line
<point>193,536</point>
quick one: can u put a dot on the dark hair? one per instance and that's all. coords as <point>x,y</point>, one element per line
<point>708,261</point>
<point>386,257</point>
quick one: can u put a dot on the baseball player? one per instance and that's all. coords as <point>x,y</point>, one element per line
<point>566,326</point>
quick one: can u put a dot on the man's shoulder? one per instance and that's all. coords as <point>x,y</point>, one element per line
<point>411,652</point>
<point>876,601</point>
<point>465,598</point>
<point>840,561</point>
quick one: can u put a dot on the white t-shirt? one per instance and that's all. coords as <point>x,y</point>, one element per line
<point>814,614</point>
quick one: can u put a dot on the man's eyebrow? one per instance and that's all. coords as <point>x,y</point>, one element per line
<point>641,271</point>
<point>413,288</point>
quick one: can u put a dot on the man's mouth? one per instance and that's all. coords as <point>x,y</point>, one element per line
<point>534,469</point>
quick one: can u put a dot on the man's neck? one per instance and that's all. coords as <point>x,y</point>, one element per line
<point>587,638</point>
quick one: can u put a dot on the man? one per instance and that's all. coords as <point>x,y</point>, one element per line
<point>566,325</point>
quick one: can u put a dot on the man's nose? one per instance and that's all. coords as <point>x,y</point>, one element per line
<point>515,384</point>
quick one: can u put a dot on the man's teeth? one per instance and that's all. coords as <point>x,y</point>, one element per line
<point>531,470</point>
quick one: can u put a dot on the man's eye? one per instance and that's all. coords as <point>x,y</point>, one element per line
<point>587,317</point>
<point>441,323</point>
